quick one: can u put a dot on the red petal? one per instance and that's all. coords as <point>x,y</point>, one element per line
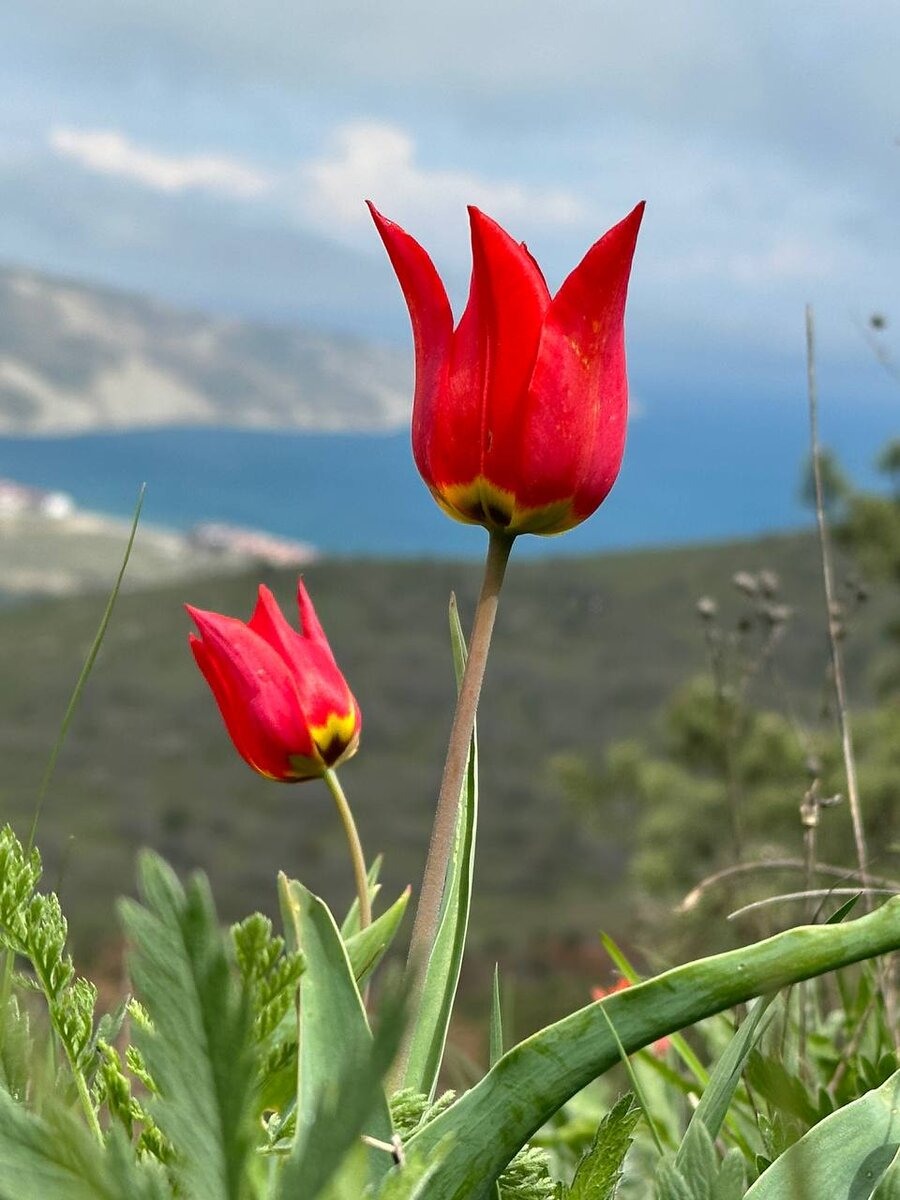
<point>491,360</point>
<point>256,693</point>
<point>272,626</point>
<point>432,324</point>
<point>309,622</point>
<point>574,426</point>
<point>512,302</point>
<point>321,688</point>
<point>455,435</point>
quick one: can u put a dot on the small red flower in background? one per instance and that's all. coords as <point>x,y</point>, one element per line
<point>519,414</point>
<point>661,1045</point>
<point>284,702</point>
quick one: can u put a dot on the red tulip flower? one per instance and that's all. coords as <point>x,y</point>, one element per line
<point>284,702</point>
<point>520,411</point>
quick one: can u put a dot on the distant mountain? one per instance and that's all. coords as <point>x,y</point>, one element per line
<point>75,358</point>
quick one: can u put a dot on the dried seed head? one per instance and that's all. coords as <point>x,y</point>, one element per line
<point>769,583</point>
<point>746,583</point>
<point>707,608</point>
<point>778,614</point>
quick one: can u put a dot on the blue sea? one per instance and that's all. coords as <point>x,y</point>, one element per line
<point>693,472</point>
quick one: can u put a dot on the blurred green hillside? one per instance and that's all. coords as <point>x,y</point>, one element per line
<point>586,652</point>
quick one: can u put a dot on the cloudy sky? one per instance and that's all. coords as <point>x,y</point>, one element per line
<point>217,154</point>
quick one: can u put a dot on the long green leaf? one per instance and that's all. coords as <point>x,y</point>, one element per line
<point>429,1035</point>
<point>200,1051</point>
<point>889,1188</point>
<point>411,1181</point>
<point>843,1157</point>
<point>493,1120</point>
<point>335,1048</point>
<point>495,1052</point>
<point>350,925</point>
<point>331,1159</point>
<point>717,1095</point>
<point>676,1041</point>
<point>367,947</point>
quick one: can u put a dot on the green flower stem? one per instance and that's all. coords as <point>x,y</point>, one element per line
<point>356,852</point>
<point>441,846</point>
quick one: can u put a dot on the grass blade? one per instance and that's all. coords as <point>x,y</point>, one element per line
<point>85,672</point>
<point>717,1096</point>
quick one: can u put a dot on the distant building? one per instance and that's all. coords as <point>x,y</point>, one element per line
<point>18,500</point>
<point>219,538</point>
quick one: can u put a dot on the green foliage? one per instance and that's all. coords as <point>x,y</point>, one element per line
<point>719,1093</point>
<point>527,1177</point>
<point>270,976</point>
<point>32,927</point>
<point>844,1155</point>
<point>201,1050</point>
<point>411,1109</point>
<point>534,1079</point>
<point>600,1169</point>
<point>53,1157</point>
<point>350,1103</point>
<point>367,947</point>
<point>340,1067</point>
<point>409,1182</point>
<point>701,1174</point>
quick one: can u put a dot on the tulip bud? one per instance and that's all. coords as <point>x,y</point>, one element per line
<point>519,413</point>
<point>284,702</point>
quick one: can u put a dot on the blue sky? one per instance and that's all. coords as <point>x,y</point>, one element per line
<point>217,154</point>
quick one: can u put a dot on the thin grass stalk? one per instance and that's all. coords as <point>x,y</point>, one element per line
<point>837,659</point>
<point>885,968</point>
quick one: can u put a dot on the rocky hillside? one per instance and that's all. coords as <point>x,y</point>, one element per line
<point>75,358</point>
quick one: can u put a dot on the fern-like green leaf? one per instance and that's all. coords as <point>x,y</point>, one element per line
<point>199,1051</point>
<point>55,1158</point>
<point>600,1170</point>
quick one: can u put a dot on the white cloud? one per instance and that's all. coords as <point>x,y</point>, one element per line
<point>110,153</point>
<point>379,161</point>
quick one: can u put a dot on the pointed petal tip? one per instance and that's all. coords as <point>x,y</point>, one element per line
<point>196,614</point>
<point>391,233</point>
<point>633,220</point>
<point>380,221</point>
<point>479,221</point>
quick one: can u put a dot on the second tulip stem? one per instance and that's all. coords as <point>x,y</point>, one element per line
<point>442,834</point>
<point>356,852</point>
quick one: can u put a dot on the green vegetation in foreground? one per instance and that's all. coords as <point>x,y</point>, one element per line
<point>586,652</point>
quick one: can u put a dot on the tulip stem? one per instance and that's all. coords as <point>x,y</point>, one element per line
<point>356,851</point>
<point>443,831</point>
